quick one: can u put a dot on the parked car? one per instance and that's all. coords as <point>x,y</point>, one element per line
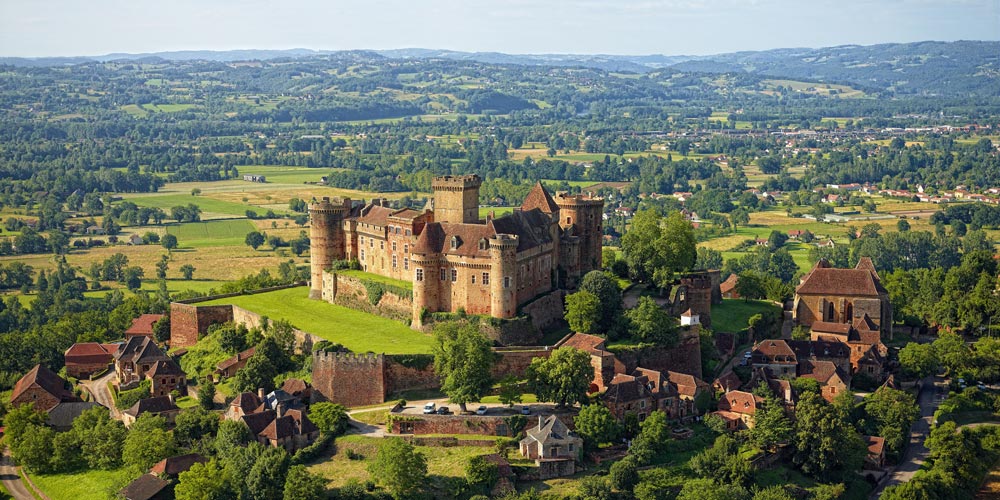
<point>481,410</point>
<point>747,355</point>
<point>525,410</point>
<point>429,408</point>
<point>981,386</point>
<point>444,410</point>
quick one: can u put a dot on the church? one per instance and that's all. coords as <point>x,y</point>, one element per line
<point>854,298</point>
<point>455,260</point>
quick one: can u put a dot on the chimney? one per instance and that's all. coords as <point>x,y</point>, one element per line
<point>540,421</point>
<point>170,397</point>
<point>280,409</point>
<point>260,393</point>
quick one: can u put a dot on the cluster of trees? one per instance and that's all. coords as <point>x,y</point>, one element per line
<point>959,460</point>
<point>949,353</point>
<point>597,308</point>
<point>656,248</point>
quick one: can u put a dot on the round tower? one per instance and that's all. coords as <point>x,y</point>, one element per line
<point>503,268</point>
<point>425,285</point>
<point>326,239</point>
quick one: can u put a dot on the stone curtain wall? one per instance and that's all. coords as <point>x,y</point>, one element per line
<point>546,310</point>
<point>187,321</point>
<point>350,292</point>
<point>684,358</point>
<point>303,340</point>
<point>349,379</point>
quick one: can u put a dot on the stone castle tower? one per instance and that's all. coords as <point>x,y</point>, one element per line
<point>327,238</point>
<point>456,198</point>
<point>583,216</point>
<point>503,257</point>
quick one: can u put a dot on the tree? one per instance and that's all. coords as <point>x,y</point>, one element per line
<point>510,391</point>
<point>902,225</point>
<point>231,435</point>
<point>826,445</point>
<point>463,358</point>
<point>258,373</point>
<point>161,267</point>
<point>161,329</point>
<point>771,426</point>
<point>624,474</point>
<point>187,270</point>
<point>329,417</point>
<point>254,239</point>
<point>652,323</point>
<point>707,489</point>
<point>890,414</point>
<point>951,351</point>
<point>266,479</point>
<point>194,424</point>
<point>596,425</point>
<point>33,448</point>
<point>563,378</point>
<point>595,488</point>
<point>148,442</point>
<point>918,360</point>
<point>100,438</point>
<point>195,191</point>
<point>204,481</point>
<point>303,485</point>
<point>739,217</point>
<point>751,285</point>
<point>583,312</point>
<point>480,472</point>
<point>776,492</point>
<point>656,247</point>
<point>169,241</point>
<point>133,277</point>
<point>399,467</point>
<point>722,462</point>
<point>206,394</point>
<point>776,240</point>
<point>609,297</point>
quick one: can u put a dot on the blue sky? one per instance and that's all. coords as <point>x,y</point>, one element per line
<point>93,27</point>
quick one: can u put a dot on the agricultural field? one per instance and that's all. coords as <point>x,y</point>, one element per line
<point>356,330</point>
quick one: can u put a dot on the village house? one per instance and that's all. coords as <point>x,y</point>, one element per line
<point>86,358</point>
<point>140,358</point>
<point>244,404</point>
<point>275,419</point>
<point>728,287</point>
<point>551,440</point>
<point>61,416</point>
<point>775,356</point>
<point>163,406</point>
<point>143,325</point>
<point>42,388</point>
<point>875,458</point>
<point>230,366</point>
<point>159,482</point>
<point>832,381</point>
<point>737,409</point>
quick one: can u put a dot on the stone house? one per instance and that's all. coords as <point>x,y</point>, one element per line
<point>628,394</point>
<point>291,430</point>
<point>136,357</point>
<point>728,287</point>
<point>776,356</point>
<point>875,459</point>
<point>274,419</point>
<point>737,409</point>
<point>159,482</point>
<point>831,380</point>
<point>61,416</point>
<point>551,440</point>
<point>41,387</point>
<point>605,364</point>
<point>166,377</point>
<point>158,405</point>
<point>230,366</point>
<point>86,358</point>
<point>143,325</point>
<point>297,388</point>
<point>244,404</point>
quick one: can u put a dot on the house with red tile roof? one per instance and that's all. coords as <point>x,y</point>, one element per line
<point>737,409</point>
<point>85,358</point>
<point>829,295</point>
<point>832,381</point>
<point>728,287</point>
<point>143,325</point>
<point>42,388</point>
<point>228,367</point>
<point>875,459</point>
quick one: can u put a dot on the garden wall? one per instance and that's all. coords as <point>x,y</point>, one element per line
<point>352,292</point>
<point>683,358</point>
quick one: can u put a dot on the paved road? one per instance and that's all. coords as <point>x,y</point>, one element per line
<point>916,452</point>
<point>99,389</point>
<point>11,480</point>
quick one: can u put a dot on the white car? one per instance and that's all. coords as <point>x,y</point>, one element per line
<point>748,355</point>
<point>481,410</point>
<point>430,408</point>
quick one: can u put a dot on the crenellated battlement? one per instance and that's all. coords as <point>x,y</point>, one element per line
<point>348,358</point>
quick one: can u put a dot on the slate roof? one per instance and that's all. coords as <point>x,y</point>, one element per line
<point>45,379</point>
<point>820,371</point>
<point>167,367</point>
<point>687,385</point>
<point>140,349</point>
<point>624,388</point>
<point>158,404</point>
<point>246,401</point>
<point>728,381</point>
<point>820,348</point>
<point>259,421</point>
<point>172,466</point>
<point>876,445</point>
<point>143,325</point>
<point>539,198</point>
<point>63,414</point>
<point>294,422</point>
<point>295,386</point>
<point>551,429</point>
<point>145,487</point>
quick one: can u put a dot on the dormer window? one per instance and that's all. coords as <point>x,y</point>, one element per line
<point>454,242</point>
<point>482,244</point>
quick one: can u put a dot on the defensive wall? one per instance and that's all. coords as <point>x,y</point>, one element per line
<point>483,425</point>
<point>369,296</point>
<point>685,357</point>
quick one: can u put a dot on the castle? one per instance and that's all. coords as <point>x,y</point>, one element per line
<point>455,260</point>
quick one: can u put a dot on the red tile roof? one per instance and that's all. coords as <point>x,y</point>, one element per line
<point>143,325</point>
<point>876,445</point>
<point>820,371</point>
<point>240,356</point>
<point>173,466</point>
<point>861,281</point>
<point>375,215</point>
<point>739,402</point>
<point>45,379</point>
<point>730,284</point>
<point>830,327</point>
<point>585,342</point>
<point>87,353</point>
<point>773,348</point>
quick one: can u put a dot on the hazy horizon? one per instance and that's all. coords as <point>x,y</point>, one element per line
<point>626,27</point>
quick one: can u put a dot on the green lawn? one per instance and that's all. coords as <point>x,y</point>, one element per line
<point>498,211</point>
<point>356,273</point>
<point>732,315</point>
<point>286,175</point>
<point>358,331</point>
<point>84,485</point>
<point>209,206</point>
<point>211,233</point>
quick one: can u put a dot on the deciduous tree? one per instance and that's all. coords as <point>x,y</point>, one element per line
<point>463,358</point>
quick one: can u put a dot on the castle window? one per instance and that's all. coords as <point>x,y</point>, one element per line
<point>393,246</point>
<point>443,275</point>
<point>406,263</point>
<point>394,261</point>
<point>406,248</point>
<point>569,220</point>
<point>381,245</point>
<point>454,275</point>
<point>482,244</point>
<point>408,232</point>
<point>361,240</point>
<point>473,278</point>
<point>371,242</point>
<point>362,254</point>
<point>486,278</point>
<point>506,281</point>
<point>420,274</point>
<point>454,242</point>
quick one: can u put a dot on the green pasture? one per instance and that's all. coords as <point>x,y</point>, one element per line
<point>406,285</point>
<point>211,233</point>
<point>499,211</point>
<point>93,484</point>
<point>286,175</point>
<point>358,331</point>
<point>210,207</point>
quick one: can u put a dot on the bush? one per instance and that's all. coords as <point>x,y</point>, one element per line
<point>130,397</point>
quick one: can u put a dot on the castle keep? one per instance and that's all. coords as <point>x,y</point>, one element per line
<point>455,260</point>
